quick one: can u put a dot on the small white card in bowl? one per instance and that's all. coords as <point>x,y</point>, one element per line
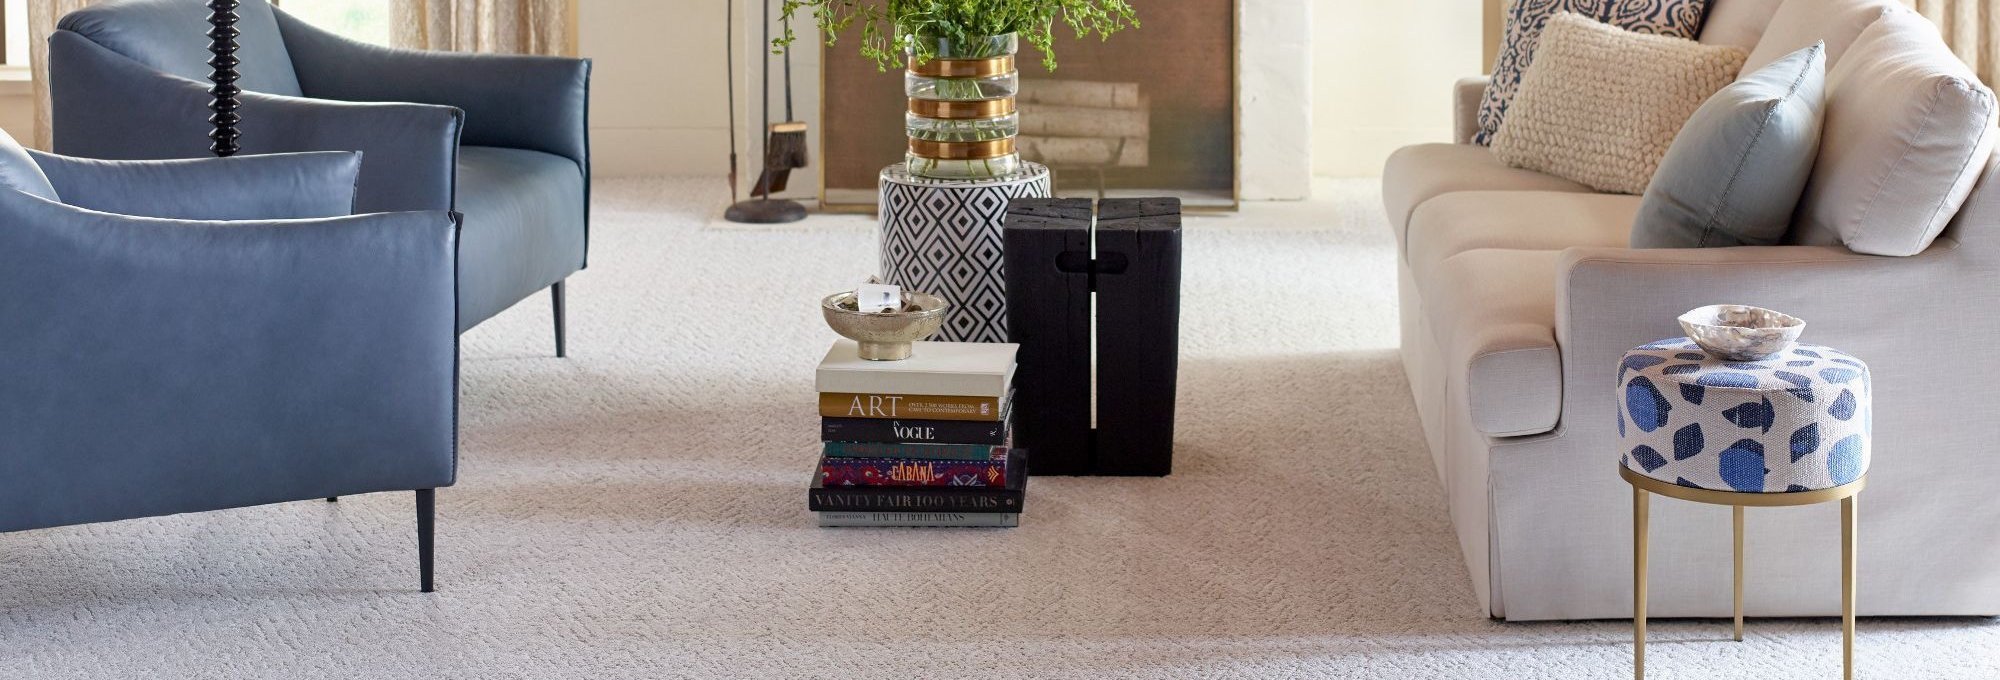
<point>875,298</point>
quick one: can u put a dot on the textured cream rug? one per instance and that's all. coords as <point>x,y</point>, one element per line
<point>637,511</point>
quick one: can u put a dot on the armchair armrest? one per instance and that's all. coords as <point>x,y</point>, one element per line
<point>517,101</point>
<point>1466,95</point>
<point>164,366</point>
<point>267,187</point>
<point>108,106</point>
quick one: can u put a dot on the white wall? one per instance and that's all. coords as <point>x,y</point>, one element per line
<point>1383,73</point>
<point>657,103</point>
<point>659,92</point>
<point>17,110</point>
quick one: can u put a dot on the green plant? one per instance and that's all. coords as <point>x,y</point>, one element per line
<point>891,28</point>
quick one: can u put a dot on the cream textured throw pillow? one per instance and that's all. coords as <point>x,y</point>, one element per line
<point>1601,105</point>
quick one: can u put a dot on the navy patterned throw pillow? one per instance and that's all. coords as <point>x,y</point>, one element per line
<point>1676,18</point>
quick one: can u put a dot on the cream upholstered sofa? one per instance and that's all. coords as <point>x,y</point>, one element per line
<point>1518,297</point>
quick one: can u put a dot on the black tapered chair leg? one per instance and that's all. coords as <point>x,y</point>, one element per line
<point>333,499</point>
<point>426,525</point>
<point>562,324</point>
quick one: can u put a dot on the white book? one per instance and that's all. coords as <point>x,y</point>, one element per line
<point>941,369</point>
<point>918,519</point>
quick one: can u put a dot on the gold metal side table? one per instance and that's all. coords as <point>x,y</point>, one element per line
<point>1643,487</point>
<point>1785,429</point>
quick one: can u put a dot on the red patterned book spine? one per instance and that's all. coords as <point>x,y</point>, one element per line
<point>834,471</point>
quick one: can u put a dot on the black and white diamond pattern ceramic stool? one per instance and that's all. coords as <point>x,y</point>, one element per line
<point>943,237</point>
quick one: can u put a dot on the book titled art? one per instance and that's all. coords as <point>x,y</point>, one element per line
<point>932,407</point>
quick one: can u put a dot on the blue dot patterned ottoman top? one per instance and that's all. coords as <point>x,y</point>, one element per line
<point>1796,421</point>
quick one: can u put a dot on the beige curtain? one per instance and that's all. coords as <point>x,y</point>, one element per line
<point>1972,28</point>
<point>42,16</point>
<point>509,26</point>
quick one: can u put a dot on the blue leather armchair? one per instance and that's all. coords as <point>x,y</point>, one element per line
<point>501,139</point>
<point>190,335</point>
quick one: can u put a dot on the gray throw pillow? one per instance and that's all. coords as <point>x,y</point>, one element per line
<point>1736,170</point>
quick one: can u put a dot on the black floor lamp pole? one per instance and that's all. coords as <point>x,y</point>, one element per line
<point>222,43</point>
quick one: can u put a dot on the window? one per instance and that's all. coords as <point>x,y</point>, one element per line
<point>14,21</point>
<point>363,20</point>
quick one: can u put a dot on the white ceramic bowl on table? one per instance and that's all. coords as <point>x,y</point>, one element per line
<point>1741,332</point>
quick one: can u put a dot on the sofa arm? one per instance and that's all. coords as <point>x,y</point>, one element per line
<point>108,106</point>
<point>1635,294</point>
<point>264,187</point>
<point>1609,300</point>
<point>1465,98</point>
<point>516,101</point>
<point>165,366</point>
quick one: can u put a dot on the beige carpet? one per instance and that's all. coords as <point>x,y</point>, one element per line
<point>637,511</point>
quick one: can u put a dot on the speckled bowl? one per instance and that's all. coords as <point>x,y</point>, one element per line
<point>1741,332</point>
<point>885,336</point>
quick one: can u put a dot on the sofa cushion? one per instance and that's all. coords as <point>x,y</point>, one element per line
<point>1737,23</point>
<point>1420,172</point>
<point>1799,23</point>
<point>1735,171</point>
<point>521,233</point>
<point>1602,104</point>
<point>1492,313</point>
<point>1521,36</point>
<point>1908,128</point>
<point>1515,220</point>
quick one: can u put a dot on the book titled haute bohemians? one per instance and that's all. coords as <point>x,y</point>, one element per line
<point>992,472</point>
<point>919,519</point>
<point>935,369</point>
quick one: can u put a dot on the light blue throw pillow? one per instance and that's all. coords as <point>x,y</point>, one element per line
<point>1735,172</point>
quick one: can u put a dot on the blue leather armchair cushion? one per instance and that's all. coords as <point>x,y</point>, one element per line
<point>276,186</point>
<point>521,232</point>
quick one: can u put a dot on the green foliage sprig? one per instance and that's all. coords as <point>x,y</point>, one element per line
<point>889,28</point>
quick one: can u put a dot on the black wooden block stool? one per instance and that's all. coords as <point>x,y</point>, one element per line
<point>1134,276</point>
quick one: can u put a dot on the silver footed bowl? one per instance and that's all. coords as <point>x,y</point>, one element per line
<point>1741,332</point>
<point>885,336</point>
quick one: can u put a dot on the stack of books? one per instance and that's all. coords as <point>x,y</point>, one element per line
<point>920,442</point>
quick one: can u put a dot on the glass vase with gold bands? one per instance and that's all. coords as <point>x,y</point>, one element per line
<point>962,120</point>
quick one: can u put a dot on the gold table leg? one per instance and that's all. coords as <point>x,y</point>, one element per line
<point>1848,554</point>
<point>1739,572</point>
<point>1639,540</point>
